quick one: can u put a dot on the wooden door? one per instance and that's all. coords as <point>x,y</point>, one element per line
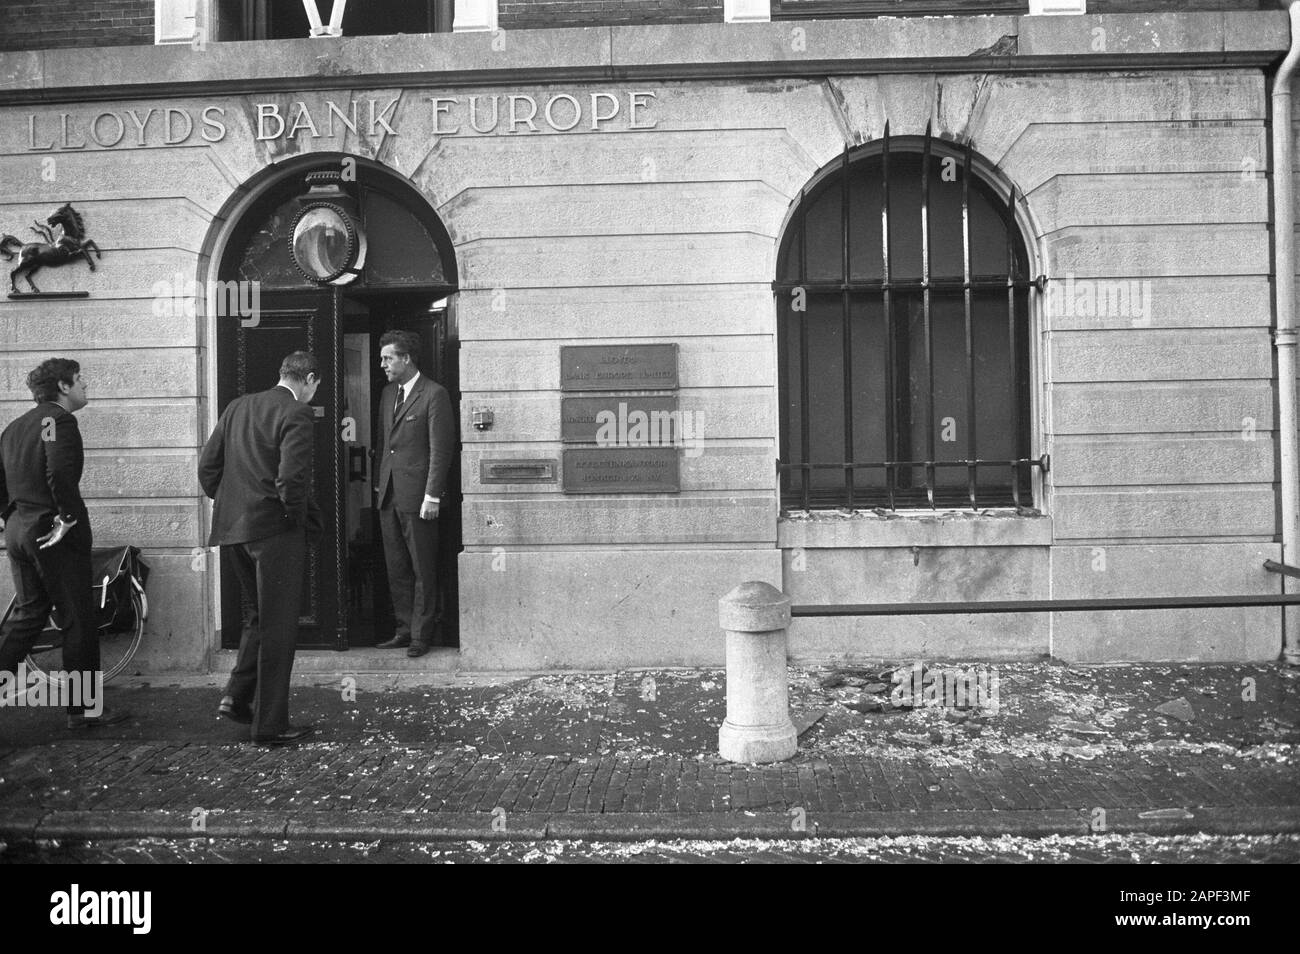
<point>248,360</point>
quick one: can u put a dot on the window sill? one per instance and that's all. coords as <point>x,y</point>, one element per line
<point>928,528</point>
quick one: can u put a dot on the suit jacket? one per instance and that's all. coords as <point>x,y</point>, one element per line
<point>41,460</point>
<point>257,468</point>
<point>417,447</point>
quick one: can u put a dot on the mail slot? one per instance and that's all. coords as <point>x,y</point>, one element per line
<point>534,471</point>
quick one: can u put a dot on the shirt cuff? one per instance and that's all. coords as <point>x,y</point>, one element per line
<point>428,499</point>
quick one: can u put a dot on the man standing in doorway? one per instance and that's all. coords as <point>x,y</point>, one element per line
<point>419,441</point>
<point>47,532</point>
<point>257,468</point>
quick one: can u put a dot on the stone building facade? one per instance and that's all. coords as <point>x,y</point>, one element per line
<point>641,186</point>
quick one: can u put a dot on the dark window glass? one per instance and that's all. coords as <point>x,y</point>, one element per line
<point>287,19</point>
<point>400,252</point>
<point>267,257</point>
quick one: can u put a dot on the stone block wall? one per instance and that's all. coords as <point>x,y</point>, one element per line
<point>1159,417</point>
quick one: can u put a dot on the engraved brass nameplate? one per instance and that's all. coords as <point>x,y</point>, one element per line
<point>618,367</point>
<point>621,470</point>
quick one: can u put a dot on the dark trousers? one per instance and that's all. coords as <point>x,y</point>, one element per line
<point>270,573</point>
<point>55,581</point>
<point>411,553</point>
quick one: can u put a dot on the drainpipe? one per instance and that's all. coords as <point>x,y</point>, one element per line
<point>1284,333</point>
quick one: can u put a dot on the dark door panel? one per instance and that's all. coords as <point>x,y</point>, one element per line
<point>440,356</point>
<point>249,360</point>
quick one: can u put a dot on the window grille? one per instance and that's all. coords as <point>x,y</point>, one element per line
<point>903,336</point>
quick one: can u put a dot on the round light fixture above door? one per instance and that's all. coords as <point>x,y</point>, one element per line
<point>327,240</point>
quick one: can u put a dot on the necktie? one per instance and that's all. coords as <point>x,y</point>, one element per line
<point>401,399</point>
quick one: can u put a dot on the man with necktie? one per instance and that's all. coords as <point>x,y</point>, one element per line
<point>418,431</point>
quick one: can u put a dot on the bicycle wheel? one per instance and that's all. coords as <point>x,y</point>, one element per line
<point>116,647</point>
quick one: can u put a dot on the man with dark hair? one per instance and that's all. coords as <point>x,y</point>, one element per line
<point>47,532</point>
<point>419,440</point>
<point>257,468</point>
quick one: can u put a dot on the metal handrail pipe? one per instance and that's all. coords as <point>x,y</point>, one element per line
<point>964,607</point>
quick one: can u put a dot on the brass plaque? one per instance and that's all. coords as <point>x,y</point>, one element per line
<point>620,420</point>
<point>621,470</point>
<point>618,367</point>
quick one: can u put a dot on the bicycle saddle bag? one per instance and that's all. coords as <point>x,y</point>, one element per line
<point>114,572</point>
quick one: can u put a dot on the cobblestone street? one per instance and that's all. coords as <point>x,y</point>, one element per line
<point>1069,751</point>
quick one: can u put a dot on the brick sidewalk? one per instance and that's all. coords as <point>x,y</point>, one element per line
<point>147,788</point>
<point>128,776</point>
<point>576,757</point>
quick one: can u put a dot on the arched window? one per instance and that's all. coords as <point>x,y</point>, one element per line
<point>903,335</point>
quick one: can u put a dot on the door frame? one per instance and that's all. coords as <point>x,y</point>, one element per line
<point>440,341</point>
<point>216,246</point>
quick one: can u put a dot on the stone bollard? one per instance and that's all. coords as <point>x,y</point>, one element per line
<point>755,617</point>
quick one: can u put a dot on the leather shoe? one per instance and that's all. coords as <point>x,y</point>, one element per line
<point>290,736</point>
<point>417,649</point>
<point>235,713</point>
<point>108,717</point>
<point>397,642</point>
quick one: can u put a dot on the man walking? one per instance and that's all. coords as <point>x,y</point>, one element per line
<point>419,434</point>
<point>257,467</point>
<point>47,534</point>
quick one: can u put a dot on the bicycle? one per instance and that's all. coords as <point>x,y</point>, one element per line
<point>122,607</point>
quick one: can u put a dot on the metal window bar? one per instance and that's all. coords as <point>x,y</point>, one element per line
<point>1012,268</point>
<point>931,410</point>
<point>977,283</point>
<point>891,389</point>
<point>845,304</point>
<point>805,439</point>
<point>1042,464</point>
<point>970,331</point>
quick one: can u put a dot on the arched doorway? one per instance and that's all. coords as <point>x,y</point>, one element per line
<point>406,281</point>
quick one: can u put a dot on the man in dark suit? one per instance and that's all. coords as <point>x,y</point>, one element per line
<point>419,435</point>
<point>47,533</point>
<point>257,468</point>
